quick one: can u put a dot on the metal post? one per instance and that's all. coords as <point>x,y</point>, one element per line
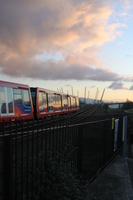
<point>125,133</point>
<point>104,142</point>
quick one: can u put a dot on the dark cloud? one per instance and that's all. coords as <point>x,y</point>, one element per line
<point>131,88</point>
<point>93,86</point>
<point>50,70</point>
<point>68,85</point>
<point>117,86</point>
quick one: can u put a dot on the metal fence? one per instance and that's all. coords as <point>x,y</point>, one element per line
<point>27,146</point>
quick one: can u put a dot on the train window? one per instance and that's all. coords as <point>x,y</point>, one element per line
<point>3,107</point>
<point>26,98</point>
<point>50,102</point>
<point>6,101</point>
<point>17,96</point>
<point>55,99</point>
<point>10,100</point>
<point>73,102</point>
<point>56,102</point>
<point>64,102</point>
<point>77,102</point>
<point>42,102</point>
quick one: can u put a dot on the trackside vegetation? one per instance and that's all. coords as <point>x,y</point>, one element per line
<point>59,180</point>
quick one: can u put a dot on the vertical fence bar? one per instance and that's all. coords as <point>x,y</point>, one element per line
<point>22,160</point>
<point>104,141</point>
<point>27,158</point>
<point>32,169</point>
<point>80,148</point>
<point>8,166</point>
<point>59,126</point>
<point>16,160</point>
<point>76,136</point>
<point>50,134</point>
<point>65,130</point>
<point>37,158</point>
<point>42,152</point>
<point>53,140</point>
<point>46,146</point>
<point>3,164</point>
<point>62,133</point>
<point>56,136</point>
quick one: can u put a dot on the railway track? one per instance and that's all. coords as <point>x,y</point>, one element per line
<point>49,122</point>
<point>84,113</point>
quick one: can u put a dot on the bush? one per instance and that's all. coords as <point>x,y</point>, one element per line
<point>60,181</point>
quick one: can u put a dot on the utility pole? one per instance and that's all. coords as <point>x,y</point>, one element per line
<point>85,95</point>
<point>88,94</point>
<point>62,89</point>
<point>97,94</point>
<point>102,95</point>
<point>97,91</point>
<point>72,90</point>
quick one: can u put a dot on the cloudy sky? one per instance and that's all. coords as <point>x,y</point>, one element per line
<point>69,45</point>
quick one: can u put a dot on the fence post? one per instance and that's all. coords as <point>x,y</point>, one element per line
<point>7,167</point>
<point>104,142</point>
<point>125,133</point>
<point>80,148</point>
<point>130,143</point>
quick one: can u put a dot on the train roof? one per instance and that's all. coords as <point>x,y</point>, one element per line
<point>13,85</point>
<point>53,92</point>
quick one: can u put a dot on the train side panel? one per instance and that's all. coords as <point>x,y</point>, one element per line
<point>50,103</point>
<point>47,103</point>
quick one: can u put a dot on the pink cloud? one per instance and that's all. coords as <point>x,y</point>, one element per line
<point>75,29</point>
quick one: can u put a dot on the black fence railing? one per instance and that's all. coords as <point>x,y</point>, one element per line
<point>27,146</point>
<point>100,145</point>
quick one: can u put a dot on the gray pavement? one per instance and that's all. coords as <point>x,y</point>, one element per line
<point>115,182</point>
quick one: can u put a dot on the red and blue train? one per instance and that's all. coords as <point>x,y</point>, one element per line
<point>20,101</point>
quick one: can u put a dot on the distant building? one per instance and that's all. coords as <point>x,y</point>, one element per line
<point>115,105</point>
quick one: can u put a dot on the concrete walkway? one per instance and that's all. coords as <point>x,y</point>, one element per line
<point>115,182</point>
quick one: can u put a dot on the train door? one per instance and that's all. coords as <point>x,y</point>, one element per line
<point>6,101</point>
<point>33,95</point>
